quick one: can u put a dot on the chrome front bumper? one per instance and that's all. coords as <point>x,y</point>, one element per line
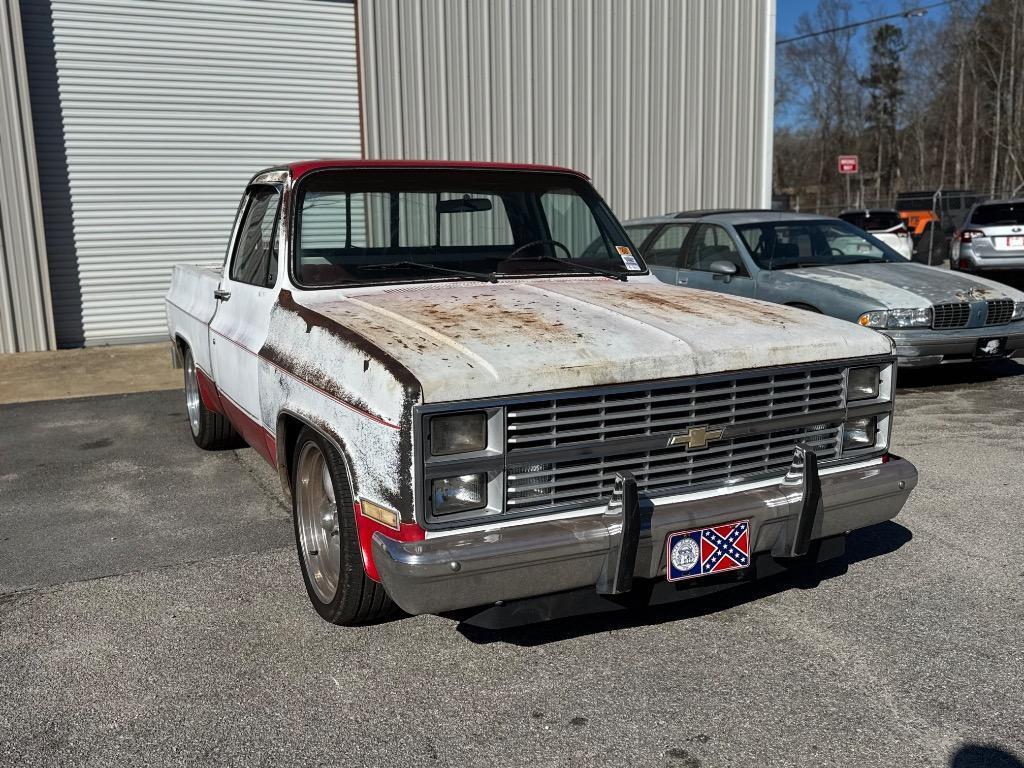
<point>927,347</point>
<point>486,565</point>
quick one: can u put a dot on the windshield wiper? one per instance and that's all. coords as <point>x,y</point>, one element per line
<point>585,267</point>
<point>489,278</point>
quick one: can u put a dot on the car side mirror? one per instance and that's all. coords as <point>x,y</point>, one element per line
<point>722,269</point>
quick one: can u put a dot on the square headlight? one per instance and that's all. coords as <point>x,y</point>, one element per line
<point>859,433</point>
<point>862,383</point>
<point>458,433</point>
<point>458,494</point>
<point>1018,311</point>
<point>910,318</point>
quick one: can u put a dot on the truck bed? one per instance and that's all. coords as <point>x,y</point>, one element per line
<point>190,308</point>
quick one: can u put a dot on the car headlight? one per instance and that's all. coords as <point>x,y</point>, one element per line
<point>897,318</point>
<point>910,318</point>
<point>859,433</point>
<point>458,433</point>
<point>862,383</point>
<point>1018,310</point>
<point>458,494</point>
<point>875,319</point>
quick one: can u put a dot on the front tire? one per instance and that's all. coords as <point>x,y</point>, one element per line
<point>326,538</point>
<point>211,431</point>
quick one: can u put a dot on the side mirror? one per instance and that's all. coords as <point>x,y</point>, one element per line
<point>723,269</point>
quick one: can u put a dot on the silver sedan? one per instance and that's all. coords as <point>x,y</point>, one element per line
<point>829,266</point>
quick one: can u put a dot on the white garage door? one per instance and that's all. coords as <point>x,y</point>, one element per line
<point>150,116</point>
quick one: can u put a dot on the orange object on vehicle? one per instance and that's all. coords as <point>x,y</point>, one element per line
<point>918,220</point>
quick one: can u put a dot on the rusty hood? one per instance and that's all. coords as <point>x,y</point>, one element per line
<point>472,340</point>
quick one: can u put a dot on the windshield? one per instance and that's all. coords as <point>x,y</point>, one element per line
<point>1006,214</point>
<point>872,221</point>
<point>379,226</point>
<point>791,244</point>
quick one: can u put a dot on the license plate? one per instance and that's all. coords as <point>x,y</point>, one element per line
<point>1015,242</point>
<point>703,551</point>
<point>990,347</point>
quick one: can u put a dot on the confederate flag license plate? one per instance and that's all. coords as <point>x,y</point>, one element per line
<point>703,551</point>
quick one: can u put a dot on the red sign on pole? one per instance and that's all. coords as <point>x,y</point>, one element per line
<point>849,164</point>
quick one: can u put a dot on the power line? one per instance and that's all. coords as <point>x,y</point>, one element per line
<point>907,14</point>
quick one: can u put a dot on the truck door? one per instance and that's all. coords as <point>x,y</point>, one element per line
<point>710,243</point>
<point>245,297</point>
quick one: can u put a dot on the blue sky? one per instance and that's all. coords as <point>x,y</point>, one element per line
<point>788,11</point>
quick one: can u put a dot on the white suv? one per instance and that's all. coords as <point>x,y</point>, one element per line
<point>884,224</point>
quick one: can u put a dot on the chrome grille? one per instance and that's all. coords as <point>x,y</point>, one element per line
<point>1000,311</point>
<point>575,422</point>
<point>953,315</point>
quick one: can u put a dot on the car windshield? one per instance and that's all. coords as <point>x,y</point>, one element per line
<point>379,226</point>
<point>872,221</point>
<point>816,243</point>
<point>1000,214</point>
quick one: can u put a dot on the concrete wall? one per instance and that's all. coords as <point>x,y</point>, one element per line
<point>667,104</point>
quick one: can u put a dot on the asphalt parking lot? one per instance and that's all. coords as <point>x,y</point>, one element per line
<point>152,613</point>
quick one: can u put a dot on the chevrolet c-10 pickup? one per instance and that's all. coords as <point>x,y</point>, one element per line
<point>479,400</point>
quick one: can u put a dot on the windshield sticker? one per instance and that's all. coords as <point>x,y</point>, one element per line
<point>627,258</point>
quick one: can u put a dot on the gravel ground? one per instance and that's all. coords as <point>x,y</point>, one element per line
<point>153,614</point>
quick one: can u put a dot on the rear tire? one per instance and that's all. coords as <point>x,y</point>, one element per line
<point>211,431</point>
<point>326,538</point>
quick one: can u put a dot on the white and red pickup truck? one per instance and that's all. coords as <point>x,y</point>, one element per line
<point>477,397</point>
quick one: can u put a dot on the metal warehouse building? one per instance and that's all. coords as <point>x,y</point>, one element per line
<point>129,127</point>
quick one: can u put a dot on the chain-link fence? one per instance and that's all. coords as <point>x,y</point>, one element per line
<point>932,217</point>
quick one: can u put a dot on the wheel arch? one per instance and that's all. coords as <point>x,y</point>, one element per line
<point>804,306</point>
<point>289,426</point>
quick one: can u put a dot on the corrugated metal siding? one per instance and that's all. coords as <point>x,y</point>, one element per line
<point>150,117</point>
<point>667,104</point>
<point>26,324</point>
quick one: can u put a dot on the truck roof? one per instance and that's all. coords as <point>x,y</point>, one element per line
<point>300,168</point>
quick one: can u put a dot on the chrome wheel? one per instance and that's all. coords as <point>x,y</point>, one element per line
<point>316,512</point>
<point>192,393</point>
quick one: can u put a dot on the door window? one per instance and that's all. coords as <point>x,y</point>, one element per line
<point>638,232</point>
<point>712,243</point>
<point>666,249</point>
<point>255,260</point>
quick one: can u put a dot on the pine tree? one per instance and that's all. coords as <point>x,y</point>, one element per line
<point>885,92</point>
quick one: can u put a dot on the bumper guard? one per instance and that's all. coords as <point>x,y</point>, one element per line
<point>608,549</point>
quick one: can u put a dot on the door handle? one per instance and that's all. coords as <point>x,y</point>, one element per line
<point>221,295</point>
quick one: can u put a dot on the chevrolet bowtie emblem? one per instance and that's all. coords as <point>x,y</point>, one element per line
<point>695,437</point>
